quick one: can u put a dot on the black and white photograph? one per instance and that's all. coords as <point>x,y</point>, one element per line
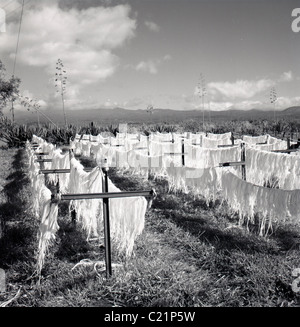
<point>149,156</point>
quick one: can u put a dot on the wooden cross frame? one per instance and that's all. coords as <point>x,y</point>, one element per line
<point>241,163</point>
<point>105,195</point>
<point>182,153</point>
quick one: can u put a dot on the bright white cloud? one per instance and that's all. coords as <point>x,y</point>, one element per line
<point>284,102</point>
<point>220,106</point>
<point>84,40</point>
<point>243,89</point>
<point>152,26</point>
<point>151,66</point>
<point>147,66</point>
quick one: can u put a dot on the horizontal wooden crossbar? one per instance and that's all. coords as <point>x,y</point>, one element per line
<point>173,153</point>
<point>60,171</point>
<point>286,151</point>
<point>112,195</point>
<point>43,160</point>
<point>237,163</point>
<point>42,153</point>
<point>227,145</point>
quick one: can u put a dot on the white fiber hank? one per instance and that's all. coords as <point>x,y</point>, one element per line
<point>127,220</point>
<point>264,166</point>
<point>272,205</point>
<point>47,230</point>
<point>88,211</point>
<point>42,207</point>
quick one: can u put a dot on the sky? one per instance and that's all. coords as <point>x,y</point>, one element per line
<point>164,53</point>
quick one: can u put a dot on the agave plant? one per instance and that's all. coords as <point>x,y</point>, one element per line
<point>163,128</point>
<point>112,129</point>
<point>60,84</point>
<point>16,136</point>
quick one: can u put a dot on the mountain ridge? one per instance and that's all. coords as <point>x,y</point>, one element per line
<point>119,115</point>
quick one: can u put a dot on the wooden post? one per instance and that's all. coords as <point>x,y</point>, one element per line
<point>288,143</point>
<point>148,144</point>
<point>243,158</point>
<point>73,211</point>
<point>232,139</point>
<point>106,225</point>
<point>182,153</point>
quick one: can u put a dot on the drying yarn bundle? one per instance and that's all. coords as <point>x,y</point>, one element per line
<point>115,156</point>
<point>253,140</point>
<point>144,165</point>
<point>266,167</point>
<point>37,181</point>
<point>199,157</point>
<point>127,215</point>
<point>219,136</point>
<point>162,137</point>
<point>59,161</point>
<point>195,139</point>
<point>161,148</point>
<point>271,205</point>
<point>48,226</point>
<point>127,220</point>
<point>42,207</point>
<point>278,145</point>
<point>88,211</point>
<point>206,182</point>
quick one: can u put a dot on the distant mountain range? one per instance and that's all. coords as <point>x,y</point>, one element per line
<point>120,115</point>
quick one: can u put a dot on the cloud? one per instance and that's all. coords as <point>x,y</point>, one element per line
<point>152,26</point>
<point>284,102</point>
<point>109,104</point>
<point>242,89</point>
<point>219,106</point>
<point>84,39</point>
<point>147,66</point>
<point>286,77</point>
<point>151,66</point>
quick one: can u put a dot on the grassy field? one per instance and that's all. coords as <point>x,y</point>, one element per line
<point>190,254</point>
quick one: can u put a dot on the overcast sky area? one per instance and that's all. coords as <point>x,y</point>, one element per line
<point>136,53</point>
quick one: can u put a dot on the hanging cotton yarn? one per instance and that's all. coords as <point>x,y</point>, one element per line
<point>199,157</point>
<point>37,182</point>
<point>42,207</point>
<point>253,140</point>
<point>264,167</point>
<point>48,227</point>
<point>59,161</point>
<point>88,212</point>
<point>271,205</point>
<point>127,220</point>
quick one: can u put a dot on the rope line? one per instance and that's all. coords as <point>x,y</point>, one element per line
<point>18,39</point>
